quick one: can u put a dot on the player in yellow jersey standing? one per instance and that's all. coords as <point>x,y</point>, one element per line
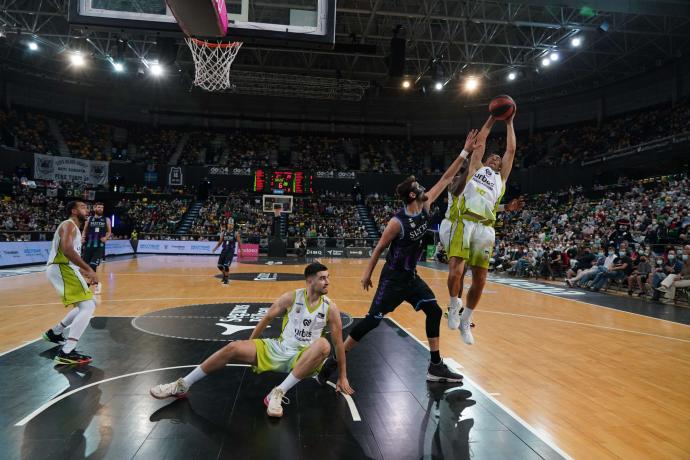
<point>69,273</point>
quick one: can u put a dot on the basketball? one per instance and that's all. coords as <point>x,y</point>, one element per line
<point>502,107</point>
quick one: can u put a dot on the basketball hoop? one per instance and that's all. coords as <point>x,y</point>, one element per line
<point>212,62</point>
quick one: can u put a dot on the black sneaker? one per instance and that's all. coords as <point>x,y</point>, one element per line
<point>50,336</point>
<point>225,281</point>
<point>440,373</point>
<point>73,357</point>
<point>328,368</point>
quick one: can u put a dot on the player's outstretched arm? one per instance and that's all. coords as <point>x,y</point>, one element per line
<point>478,153</point>
<point>471,143</point>
<point>336,326</point>
<point>511,143</point>
<point>278,309</point>
<point>389,234</point>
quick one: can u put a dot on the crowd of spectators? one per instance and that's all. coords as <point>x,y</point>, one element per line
<point>152,217</point>
<point>627,224</point>
<point>27,130</point>
<point>87,140</point>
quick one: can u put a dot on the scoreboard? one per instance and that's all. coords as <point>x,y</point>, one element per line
<point>282,182</point>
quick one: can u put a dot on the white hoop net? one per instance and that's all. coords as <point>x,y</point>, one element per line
<point>212,62</point>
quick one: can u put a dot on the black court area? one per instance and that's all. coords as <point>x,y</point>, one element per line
<point>105,410</point>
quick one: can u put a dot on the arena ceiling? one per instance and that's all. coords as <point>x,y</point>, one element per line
<point>446,40</point>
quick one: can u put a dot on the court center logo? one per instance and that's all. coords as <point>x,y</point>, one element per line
<point>224,322</point>
<point>209,322</point>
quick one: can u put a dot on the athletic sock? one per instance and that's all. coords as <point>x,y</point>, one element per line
<point>66,321</point>
<point>289,382</point>
<point>454,302</point>
<point>194,376</point>
<point>69,346</point>
<point>466,314</point>
<point>435,357</point>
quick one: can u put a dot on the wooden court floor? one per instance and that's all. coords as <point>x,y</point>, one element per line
<point>596,382</point>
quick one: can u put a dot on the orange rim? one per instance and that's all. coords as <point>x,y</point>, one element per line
<point>215,45</point>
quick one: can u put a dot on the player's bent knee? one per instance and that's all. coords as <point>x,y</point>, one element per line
<point>88,306</point>
<point>323,346</point>
<point>433,318</point>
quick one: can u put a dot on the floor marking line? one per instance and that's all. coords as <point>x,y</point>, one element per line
<point>350,402</point>
<point>29,342</point>
<point>585,324</point>
<point>45,406</point>
<point>516,417</point>
<point>149,299</point>
<point>568,298</point>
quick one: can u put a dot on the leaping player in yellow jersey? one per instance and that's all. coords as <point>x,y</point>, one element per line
<point>66,272</point>
<point>300,350</point>
<point>472,240</point>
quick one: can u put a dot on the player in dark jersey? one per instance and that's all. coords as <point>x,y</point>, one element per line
<point>97,230</point>
<point>228,239</point>
<point>399,281</point>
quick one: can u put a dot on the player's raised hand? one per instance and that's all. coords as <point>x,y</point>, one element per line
<point>470,141</point>
<point>343,386</point>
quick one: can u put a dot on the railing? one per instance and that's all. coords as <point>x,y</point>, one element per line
<point>633,149</point>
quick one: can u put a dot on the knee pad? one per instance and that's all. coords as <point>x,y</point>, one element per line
<point>433,319</point>
<point>88,306</point>
<point>367,324</point>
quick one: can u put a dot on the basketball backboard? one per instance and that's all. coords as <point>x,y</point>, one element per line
<point>289,23</point>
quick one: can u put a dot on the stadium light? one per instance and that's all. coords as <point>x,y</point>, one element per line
<point>471,83</point>
<point>77,59</point>
<point>576,42</point>
<point>33,46</point>
<point>156,69</point>
<point>554,56</point>
<point>438,86</point>
<point>406,84</point>
<point>118,66</point>
<point>512,76</point>
<point>546,62</point>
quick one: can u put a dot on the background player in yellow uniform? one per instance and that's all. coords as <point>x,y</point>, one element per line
<point>66,272</point>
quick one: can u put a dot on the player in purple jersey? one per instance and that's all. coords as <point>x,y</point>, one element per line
<point>97,230</point>
<point>228,239</point>
<point>399,281</point>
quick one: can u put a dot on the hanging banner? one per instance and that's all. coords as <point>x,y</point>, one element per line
<point>65,169</point>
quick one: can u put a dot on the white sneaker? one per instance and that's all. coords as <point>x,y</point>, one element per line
<point>274,402</point>
<point>454,317</point>
<point>177,389</point>
<point>97,290</point>
<point>466,331</point>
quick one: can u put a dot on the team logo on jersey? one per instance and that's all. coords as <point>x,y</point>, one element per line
<point>306,322</point>
<point>412,224</point>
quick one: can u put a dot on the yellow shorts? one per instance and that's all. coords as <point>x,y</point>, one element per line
<point>471,241</point>
<point>69,283</point>
<point>274,355</point>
